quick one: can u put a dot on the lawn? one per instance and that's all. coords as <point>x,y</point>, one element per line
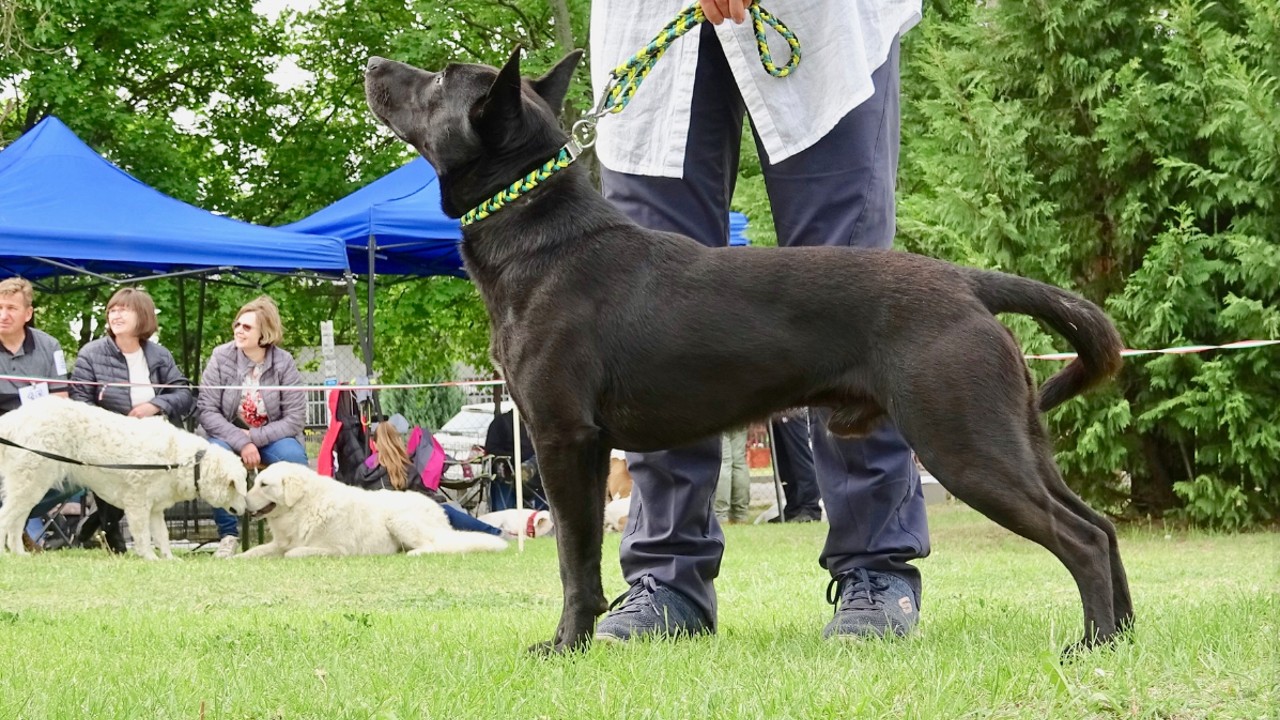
<point>91,636</point>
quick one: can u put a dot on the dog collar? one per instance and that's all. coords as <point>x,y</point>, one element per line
<point>562,160</point>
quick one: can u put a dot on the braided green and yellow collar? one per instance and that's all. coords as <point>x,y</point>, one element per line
<point>562,160</point>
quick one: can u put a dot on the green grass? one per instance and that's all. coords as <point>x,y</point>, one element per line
<point>90,636</point>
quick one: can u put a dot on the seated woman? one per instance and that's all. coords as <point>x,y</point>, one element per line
<point>128,354</point>
<point>240,408</point>
<point>415,465</point>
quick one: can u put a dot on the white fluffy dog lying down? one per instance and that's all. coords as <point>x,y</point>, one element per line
<point>310,514</point>
<point>90,434</point>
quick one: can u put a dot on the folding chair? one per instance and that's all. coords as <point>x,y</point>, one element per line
<point>49,523</point>
<point>466,482</point>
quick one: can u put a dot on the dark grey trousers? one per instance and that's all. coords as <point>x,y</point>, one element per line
<point>837,192</point>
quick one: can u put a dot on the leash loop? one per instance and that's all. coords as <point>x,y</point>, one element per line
<point>625,79</point>
<point>621,86</point>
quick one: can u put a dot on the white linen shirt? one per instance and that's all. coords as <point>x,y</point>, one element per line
<point>841,44</point>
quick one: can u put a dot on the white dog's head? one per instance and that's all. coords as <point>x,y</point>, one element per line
<point>222,479</point>
<point>280,485</point>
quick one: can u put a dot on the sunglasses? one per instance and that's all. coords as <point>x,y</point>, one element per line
<point>238,325</point>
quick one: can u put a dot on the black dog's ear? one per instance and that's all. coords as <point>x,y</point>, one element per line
<point>553,86</point>
<point>501,106</point>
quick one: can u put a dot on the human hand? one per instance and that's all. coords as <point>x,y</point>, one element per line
<point>250,457</point>
<point>718,10</point>
<point>145,409</point>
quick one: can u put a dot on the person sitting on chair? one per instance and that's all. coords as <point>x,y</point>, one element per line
<point>26,352</point>
<point>238,411</point>
<point>128,355</point>
<point>500,442</point>
<point>416,465</point>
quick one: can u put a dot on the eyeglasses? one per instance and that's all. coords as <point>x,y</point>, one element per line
<point>119,309</point>
<point>238,325</point>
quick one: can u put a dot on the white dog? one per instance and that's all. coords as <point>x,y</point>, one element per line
<point>514,521</point>
<point>310,514</point>
<point>90,434</point>
<point>615,514</point>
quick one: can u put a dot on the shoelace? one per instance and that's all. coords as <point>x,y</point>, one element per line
<point>636,598</point>
<point>856,589</point>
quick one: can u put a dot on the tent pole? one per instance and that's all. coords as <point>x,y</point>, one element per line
<point>373,248</point>
<point>355,319</point>
<point>182,318</point>
<point>204,286</point>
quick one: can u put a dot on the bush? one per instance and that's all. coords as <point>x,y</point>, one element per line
<point>1131,153</point>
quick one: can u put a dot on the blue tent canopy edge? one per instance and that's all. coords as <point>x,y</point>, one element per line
<point>62,201</point>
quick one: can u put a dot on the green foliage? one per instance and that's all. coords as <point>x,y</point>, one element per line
<point>428,407</point>
<point>121,74</point>
<point>1135,157</point>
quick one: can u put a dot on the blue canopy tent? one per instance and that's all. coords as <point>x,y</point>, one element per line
<point>396,220</point>
<point>63,208</point>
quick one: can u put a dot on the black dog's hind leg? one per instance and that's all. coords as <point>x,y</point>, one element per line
<point>991,451</point>
<point>1122,602</point>
<point>574,464</point>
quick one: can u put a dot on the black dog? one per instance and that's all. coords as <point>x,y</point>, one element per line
<point>613,336</point>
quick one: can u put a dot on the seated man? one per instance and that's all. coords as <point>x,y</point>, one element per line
<point>27,352</point>
<point>500,442</point>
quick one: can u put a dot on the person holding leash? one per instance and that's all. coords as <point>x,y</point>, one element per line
<point>828,141</point>
<point>128,355</point>
<point>235,410</point>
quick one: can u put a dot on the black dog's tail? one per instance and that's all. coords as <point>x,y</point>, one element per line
<point>1083,324</point>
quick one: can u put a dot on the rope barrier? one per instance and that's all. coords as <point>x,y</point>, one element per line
<point>1177,350</point>
<point>1180,350</point>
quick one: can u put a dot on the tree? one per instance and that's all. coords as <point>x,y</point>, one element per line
<point>181,95</point>
<point>1133,156</point>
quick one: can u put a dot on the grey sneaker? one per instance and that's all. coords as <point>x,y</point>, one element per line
<point>649,609</point>
<point>871,604</point>
<point>227,546</point>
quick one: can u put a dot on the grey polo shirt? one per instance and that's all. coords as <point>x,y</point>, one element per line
<point>40,356</point>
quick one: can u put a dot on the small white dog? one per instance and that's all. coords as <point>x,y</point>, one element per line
<point>514,521</point>
<point>310,514</point>
<point>90,434</point>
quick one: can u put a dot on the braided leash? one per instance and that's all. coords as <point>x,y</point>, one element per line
<point>625,79</point>
<point>623,82</point>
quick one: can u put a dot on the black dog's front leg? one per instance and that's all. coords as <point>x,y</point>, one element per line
<point>573,467</point>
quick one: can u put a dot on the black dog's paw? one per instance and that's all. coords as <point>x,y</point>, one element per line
<point>552,648</point>
<point>1090,644</point>
<point>543,649</point>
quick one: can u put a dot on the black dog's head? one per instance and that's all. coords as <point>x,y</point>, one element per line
<point>479,127</point>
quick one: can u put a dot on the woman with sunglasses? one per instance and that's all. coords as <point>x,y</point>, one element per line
<point>238,409</point>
